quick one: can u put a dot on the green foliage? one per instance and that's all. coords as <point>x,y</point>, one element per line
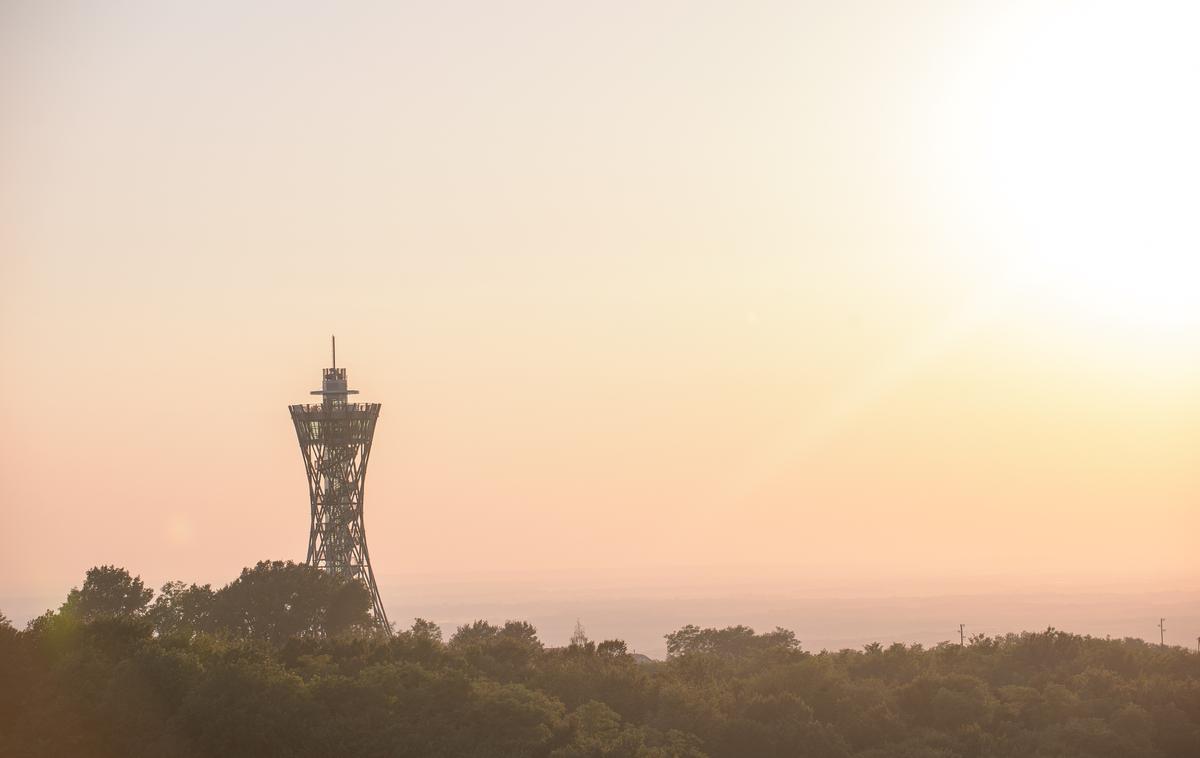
<point>504,653</point>
<point>274,665</point>
<point>108,591</point>
<point>426,630</point>
<point>183,609</point>
<point>277,600</point>
<point>733,641</point>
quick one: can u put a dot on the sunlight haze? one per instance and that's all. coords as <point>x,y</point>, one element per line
<point>798,300</point>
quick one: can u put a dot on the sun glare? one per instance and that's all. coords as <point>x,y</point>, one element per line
<point>1087,134</point>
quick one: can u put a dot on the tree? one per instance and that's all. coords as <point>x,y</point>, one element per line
<point>108,591</point>
<point>512,720</point>
<point>475,633</point>
<point>579,637</point>
<point>612,648</point>
<point>277,600</point>
<point>732,641</point>
<point>348,607</point>
<point>426,630</point>
<point>504,653</point>
<point>182,609</point>
<point>110,686</point>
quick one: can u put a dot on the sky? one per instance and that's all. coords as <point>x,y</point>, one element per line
<point>855,299</point>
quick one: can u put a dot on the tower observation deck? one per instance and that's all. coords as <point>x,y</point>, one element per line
<point>335,440</point>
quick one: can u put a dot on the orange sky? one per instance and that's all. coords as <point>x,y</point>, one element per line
<point>841,295</point>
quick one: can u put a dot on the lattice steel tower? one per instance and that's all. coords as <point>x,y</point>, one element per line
<point>335,440</point>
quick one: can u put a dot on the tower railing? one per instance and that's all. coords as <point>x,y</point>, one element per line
<point>334,407</point>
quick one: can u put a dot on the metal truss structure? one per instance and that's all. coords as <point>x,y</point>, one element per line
<point>335,440</point>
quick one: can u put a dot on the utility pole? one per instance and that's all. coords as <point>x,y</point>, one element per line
<point>1162,633</point>
<point>962,638</point>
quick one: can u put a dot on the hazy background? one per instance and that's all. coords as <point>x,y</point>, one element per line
<point>678,311</point>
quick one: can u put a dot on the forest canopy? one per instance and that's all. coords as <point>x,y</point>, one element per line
<point>284,661</point>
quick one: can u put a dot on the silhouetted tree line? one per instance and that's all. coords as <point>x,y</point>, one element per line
<point>283,661</point>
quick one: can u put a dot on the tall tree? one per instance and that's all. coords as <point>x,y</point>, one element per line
<point>277,600</point>
<point>182,609</point>
<point>579,637</point>
<point>108,591</point>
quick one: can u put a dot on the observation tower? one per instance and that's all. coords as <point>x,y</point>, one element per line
<point>335,440</point>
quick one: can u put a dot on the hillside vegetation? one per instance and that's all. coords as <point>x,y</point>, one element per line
<point>283,662</point>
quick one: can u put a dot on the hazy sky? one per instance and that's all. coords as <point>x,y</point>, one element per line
<point>836,295</point>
